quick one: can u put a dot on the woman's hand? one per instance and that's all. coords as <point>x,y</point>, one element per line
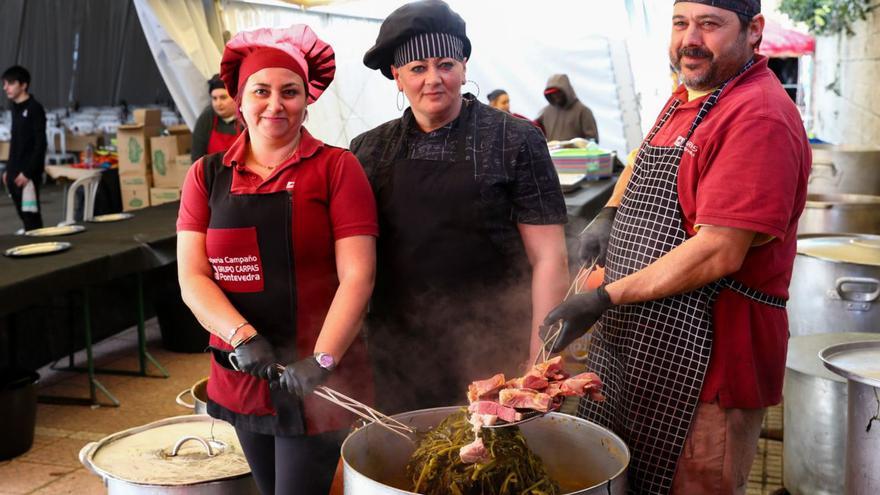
<point>255,357</point>
<point>301,377</point>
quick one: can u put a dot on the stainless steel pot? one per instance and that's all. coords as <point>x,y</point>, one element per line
<point>845,170</point>
<point>199,395</point>
<point>854,213</point>
<point>191,454</point>
<point>835,285</point>
<point>583,457</point>
<point>859,363</point>
<point>815,416</point>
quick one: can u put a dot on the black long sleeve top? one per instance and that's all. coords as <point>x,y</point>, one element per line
<point>27,148</point>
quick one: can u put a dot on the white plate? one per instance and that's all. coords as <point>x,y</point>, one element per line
<point>55,231</point>
<point>112,217</point>
<point>36,249</point>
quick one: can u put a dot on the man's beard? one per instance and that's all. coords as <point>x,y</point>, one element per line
<point>717,72</point>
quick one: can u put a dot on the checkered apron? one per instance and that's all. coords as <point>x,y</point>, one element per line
<point>653,356</point>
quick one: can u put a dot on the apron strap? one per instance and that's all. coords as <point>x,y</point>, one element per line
<point>753,294</point>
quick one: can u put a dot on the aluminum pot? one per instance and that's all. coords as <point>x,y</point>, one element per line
<point>583,457</point>
<point>199,395</point>
<point>855,213</point>
<point>191,455</point>
<point>858,363</point>
<point>835,285</point>
<point>845,170</point>
<point>815,416</point>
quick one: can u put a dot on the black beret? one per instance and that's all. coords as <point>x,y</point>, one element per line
<point>426,16</point>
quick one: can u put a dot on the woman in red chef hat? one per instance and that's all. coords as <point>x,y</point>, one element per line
<point>276,254</point>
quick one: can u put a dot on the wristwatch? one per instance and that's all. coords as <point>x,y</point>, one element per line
<point>325,360</point>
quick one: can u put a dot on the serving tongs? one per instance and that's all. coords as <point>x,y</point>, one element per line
<point>366,412</point>
<point>551,335</point>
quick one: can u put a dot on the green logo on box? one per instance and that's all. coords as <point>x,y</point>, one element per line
<point>159,162</point>
<point>135,150</point>
<point>136,202</point>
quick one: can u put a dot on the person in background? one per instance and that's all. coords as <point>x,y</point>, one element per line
<point>27,148</point>
<point>471,217</point>
<point>217,126</point>
<point>501,100</point>
<point>698,243</point>
<point>276,259</point>
<point>565,117</point>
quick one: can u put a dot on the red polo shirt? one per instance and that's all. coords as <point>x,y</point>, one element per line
<point>332,200</point>
<point>746,166</point>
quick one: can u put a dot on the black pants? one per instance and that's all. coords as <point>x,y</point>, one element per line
<point>301,465</point>
<point>31,221</point>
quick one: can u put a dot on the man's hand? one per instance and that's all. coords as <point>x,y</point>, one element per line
<point>255,357</point>
<point>21,180</point>
<point>578,313</point>
<point>594,239</point>
<point>301,377</point>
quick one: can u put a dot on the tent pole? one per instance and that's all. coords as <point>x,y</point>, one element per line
<point>121,61</point>
<point>20,32</point>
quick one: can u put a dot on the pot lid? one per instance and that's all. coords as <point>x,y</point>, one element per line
<point>857,249</point>
<point>173,451</point>
<point>803,352</point>
<point>858,361</point>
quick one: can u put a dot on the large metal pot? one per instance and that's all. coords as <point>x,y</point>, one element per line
<point>845,170</point>
<point>191,454</point>
<point>199,395</point>
<point>835,285</point>
<point>859,363</point>
<point>851,213</point>
<point>583,457</point>
<point>815,416</point>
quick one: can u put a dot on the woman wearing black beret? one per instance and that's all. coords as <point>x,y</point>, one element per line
<point>471,250</point>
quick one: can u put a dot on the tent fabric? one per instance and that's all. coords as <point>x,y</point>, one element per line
<point>781,42</point>
<point>183,49</point>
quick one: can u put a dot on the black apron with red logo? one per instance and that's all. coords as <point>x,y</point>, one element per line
<point>653,356</point>
<point>450,306</point>
<point>249,244</point>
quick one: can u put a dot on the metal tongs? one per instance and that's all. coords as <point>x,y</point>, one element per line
<point>551,335</point>
<point>366,412</point>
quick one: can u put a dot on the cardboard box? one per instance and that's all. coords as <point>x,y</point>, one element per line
<point>148,117</point>
<point>172,173</point>
<point>4,151</point>
<point>135,197</point>
<point>133,143</point>
<point>184,137</point>
<point>131,179</point>
<point>162,195</point>
<point>75,143</point>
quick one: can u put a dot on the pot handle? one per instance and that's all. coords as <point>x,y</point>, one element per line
<point>84,457</point>
<point>832,174</point>
<point>857,295</point>
<point>176,449</point>
<point>819,205</point>
<point>181,402</point>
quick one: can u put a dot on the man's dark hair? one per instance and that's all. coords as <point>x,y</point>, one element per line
<point>744,23</point>
<point>18,74</point>
<point>494,95</point>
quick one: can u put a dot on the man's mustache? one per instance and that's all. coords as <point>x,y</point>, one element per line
<point>694,52</point>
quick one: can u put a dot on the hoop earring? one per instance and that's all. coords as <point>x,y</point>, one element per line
<point>400,102</point>
<point>475,85</point>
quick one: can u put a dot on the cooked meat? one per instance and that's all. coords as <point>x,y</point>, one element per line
<point>474,452</point>
<point>581,384</point>
<point>525,399</point>
<point>483,388</point>
<point>488,407</point>
<point>528,381</point>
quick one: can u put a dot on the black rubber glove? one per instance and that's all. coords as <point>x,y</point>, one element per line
<point>301,377</point>
<point>255,357</point>
<point>578,313</point>
<point>594,238</point>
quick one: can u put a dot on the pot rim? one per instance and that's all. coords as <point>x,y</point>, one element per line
<point>402,417</point>
<point>87,454</point>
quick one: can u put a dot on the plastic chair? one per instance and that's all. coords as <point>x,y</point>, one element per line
<point>54,156</point>
<point>89,186</point>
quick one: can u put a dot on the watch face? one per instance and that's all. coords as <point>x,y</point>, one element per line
<point>325,360</point>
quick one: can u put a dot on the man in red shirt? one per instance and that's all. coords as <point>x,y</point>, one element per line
<point>700,239</point>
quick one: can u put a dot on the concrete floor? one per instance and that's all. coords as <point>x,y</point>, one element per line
<point>52,466</point>
<point>50,202</point>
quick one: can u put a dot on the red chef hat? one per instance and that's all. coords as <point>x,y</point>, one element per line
<point>296,48</point>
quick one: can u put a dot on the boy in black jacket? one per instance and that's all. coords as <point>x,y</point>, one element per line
<point>27,150</point>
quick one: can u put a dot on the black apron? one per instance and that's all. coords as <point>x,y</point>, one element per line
<point>652,357</point>
<point>436,321</point>
<point>250,247</point>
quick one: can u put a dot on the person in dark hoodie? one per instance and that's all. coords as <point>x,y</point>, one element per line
<point>27,150</point>
<point>565,117</point>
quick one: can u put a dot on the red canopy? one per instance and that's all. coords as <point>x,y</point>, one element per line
<point>781,42</point>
